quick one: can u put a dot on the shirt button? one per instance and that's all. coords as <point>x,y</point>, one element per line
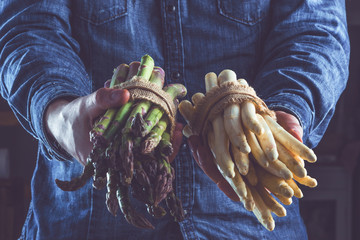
<point>171,8</point>
<point>175,75</point>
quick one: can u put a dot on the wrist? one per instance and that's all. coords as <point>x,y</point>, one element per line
<point>52,119</point>
<point>53,115</point>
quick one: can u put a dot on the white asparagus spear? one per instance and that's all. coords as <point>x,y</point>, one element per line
<point>261,211</point>
<point>221,147</point>
<point>267,141</point>
<point>274,183</point>
<point>243,82</point>
<point>275,167</point>
<point>210,81</point>
<point>297,191</point>
<point>232,117</point>
<point>241,160</point>
<point>307,181</point>
<point>249,119</point>
<point>256,150</point>
<point>237,183</point>
<point>252,175</point>
<point>289,141</point>
<point>234,129</point>
<point>284,200</point>
<point>294,163</point>
<point>274,206</point>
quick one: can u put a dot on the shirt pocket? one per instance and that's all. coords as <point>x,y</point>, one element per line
<point>248,12</point>
<point>98,12</point>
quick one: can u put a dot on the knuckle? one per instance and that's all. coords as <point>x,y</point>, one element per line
<point>101,96</point>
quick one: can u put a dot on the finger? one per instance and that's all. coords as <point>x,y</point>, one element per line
<point>194,142</point>
<point>187,110</point>
<point>204,158</point>
<point>207,163</point>
<point>239,186</point>
<point>197,97</point>
<point>133,69</point>
<point>105,98</point>
<point>176,140</point>
<point>158,74</point>
<point>119,75</point>
<point>290,123</point>
<point>225,187</point>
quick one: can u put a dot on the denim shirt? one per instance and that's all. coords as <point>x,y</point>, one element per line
<point>294,53</point>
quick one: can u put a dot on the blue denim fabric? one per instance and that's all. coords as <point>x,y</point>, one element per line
<point>294,53</point>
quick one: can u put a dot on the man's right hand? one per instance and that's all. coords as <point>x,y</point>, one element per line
<point>70,122</point>
<point>204,158</point>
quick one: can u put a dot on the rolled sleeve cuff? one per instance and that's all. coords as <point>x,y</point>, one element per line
<point>41,99</point>
<point>295,105</point>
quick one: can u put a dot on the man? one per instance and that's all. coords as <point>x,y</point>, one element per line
<point>54,54</point>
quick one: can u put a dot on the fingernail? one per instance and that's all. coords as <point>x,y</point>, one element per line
<point>107,84</point>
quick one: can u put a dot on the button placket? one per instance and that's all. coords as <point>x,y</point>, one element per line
<point>173,41</point>
<point>174,67</point>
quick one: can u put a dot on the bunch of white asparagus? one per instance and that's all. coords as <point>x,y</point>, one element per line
<point>253,153</point>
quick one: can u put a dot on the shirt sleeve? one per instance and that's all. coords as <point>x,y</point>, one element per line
<point>39,62</point>
<point>305,61</point>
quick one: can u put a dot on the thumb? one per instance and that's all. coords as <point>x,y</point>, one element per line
<point>290,123</point>
<point>106,98</point>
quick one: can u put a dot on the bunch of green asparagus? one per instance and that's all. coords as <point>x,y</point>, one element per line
<point>131,149</point>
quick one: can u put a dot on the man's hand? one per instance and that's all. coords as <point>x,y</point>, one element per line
<point>176,140</point>
<point>205,160</point>
<point>70,122</point>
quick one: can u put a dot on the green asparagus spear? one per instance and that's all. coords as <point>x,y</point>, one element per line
<point>121,115</point>
<point>127,142</point>
<point>165,145</point>
<point>141,185</point>
<point>146,67</point>
<point>175,91</point>
<point>175,206</point>
<point>100,171</point>
<point>78,182</point>
<point>100,128</point>
<point>164,179</point>
<point>128,210</point>
<point>154,137</point>
<point>156,211</point>
<point>119,75</point>
<point>133,70</point>
<point>111,199</point>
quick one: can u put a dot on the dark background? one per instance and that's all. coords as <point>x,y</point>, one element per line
<point>330,211</point>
